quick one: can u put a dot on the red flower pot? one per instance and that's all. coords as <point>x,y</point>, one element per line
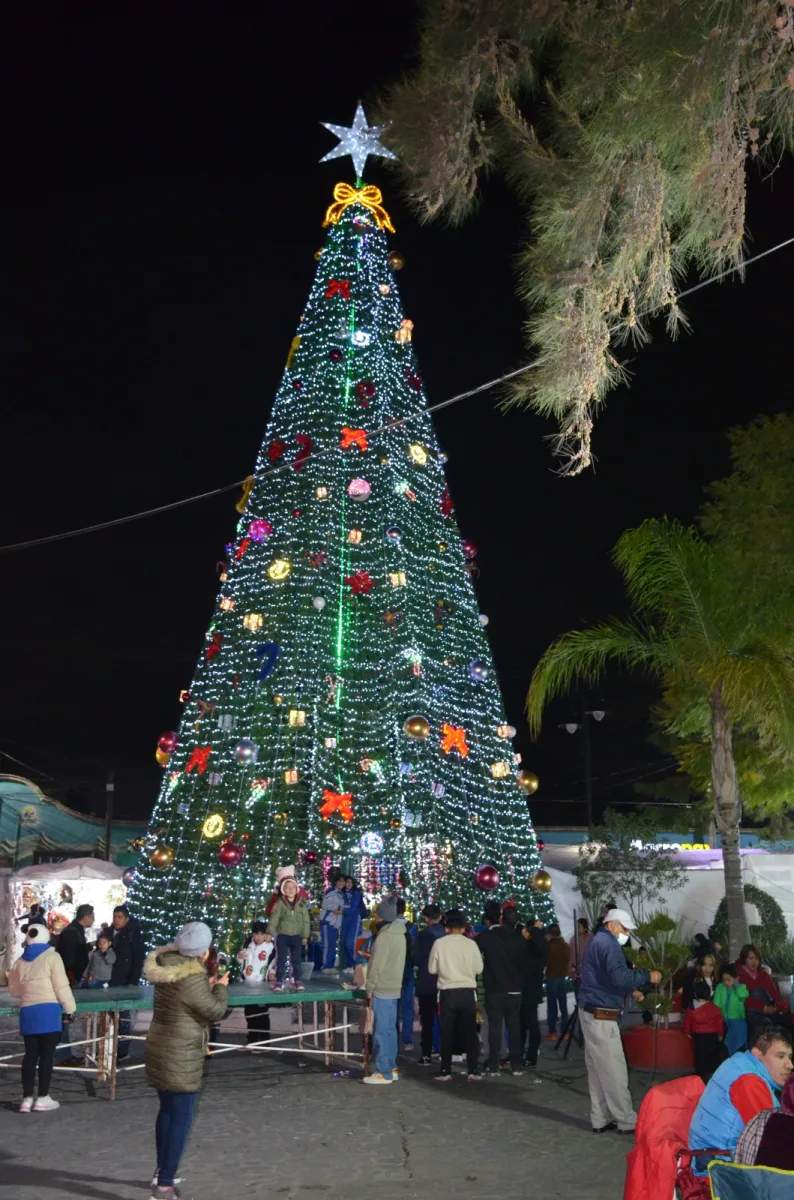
<point>666,1049</point>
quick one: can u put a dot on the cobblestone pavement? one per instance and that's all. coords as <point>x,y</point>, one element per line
<point>269,1127</point>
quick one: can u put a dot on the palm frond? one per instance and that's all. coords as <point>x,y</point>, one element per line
<point>672,573</point>
<point>584,653</point>
<point>758,691</point>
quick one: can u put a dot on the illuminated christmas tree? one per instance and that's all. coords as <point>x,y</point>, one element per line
<point>345,708</point>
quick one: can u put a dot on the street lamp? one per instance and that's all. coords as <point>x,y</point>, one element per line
<point>572,727</point>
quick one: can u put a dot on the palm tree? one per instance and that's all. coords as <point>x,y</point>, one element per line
<point>723,665</point>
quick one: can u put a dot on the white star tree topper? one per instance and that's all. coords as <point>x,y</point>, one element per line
<point>359,141</point>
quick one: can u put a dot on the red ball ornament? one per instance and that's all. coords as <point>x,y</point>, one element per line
<point>310,857</point>
<point>486,878</point>
<point>297,384</point>
<point>167,742</point>
<point>230,854</point>
<point>469,548</point>
<point>365,390</point>
<point>335,355</point>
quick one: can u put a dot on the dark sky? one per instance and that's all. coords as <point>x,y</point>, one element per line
<point>163,200</point>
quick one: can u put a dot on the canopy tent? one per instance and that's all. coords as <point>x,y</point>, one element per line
<point>60,888</point>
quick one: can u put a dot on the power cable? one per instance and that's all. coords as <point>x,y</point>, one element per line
<point>422,412</point>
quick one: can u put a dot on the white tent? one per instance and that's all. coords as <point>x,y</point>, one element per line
<point>60,888</point>
<point>71,868</point>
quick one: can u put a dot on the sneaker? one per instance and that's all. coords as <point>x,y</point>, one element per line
<point>610,1125</point>
<point>474,1076</point>
<point>395,1073</point>
<point>531,1061</point>
<point>165,1193</point>
<point>376,1078</point>
<point>408,1046</point>
<point>518,1072</point>
<point>550,1037</point>
<point>155,1177</point>
<point>26,1105</point>
<point>45,1104</point>
<point>328,971</point>
<point>277,987</point>
<point>492,1072</point>
<point>299,987</point>
<point>443,1077</point>
<point>425,1061</point>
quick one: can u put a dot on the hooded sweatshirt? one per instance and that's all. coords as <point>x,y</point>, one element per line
<point>332,910</point>
<point>256,960</point>
<point>39,980</point>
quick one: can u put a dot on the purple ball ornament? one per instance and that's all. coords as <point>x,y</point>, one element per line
<point>167,742</point>
<point>469,548</point>
<point>128,876</point>
<point>259,529</point>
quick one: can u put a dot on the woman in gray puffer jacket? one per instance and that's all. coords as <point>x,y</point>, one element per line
<point>186,1003</point>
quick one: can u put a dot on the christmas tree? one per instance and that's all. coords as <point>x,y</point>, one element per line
<point>345,708</point>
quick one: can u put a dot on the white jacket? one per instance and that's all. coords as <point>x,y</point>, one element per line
<point>256,961</point>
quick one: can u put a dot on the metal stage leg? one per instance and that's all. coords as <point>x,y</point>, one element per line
<point>114,1045</point>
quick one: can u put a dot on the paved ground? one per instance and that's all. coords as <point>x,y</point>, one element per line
<point>272,1128</point>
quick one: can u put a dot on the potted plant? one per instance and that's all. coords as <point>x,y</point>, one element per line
<point>657,1044</point>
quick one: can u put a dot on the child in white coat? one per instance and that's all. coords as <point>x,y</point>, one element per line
<point>256,959</point>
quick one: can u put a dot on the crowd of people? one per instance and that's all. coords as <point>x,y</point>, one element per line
<point>477,990</point>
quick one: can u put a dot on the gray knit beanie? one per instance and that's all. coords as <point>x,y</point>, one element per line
<point>387,909</point>
<point>193,939</point>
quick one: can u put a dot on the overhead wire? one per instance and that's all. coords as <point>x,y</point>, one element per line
<point>433,408</point>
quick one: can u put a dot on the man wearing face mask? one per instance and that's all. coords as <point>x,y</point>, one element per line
<point>606,982</point>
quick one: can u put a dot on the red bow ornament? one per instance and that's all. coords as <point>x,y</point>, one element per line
<point>305,443</point>
<point>214,646</point>
<point>337,802</point>
<point>198,759</point>
<point>338,287</point>
<point>453,738</point>
<point>353,437</point>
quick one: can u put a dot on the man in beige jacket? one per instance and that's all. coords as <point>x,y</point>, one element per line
<point>457,962</point>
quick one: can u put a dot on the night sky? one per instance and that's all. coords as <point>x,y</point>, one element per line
<point>163,200</point>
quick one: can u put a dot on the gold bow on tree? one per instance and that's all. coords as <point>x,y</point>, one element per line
<point>370,196</point>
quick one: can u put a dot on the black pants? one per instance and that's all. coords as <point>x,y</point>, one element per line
<point>428,1007</point>
<point>458,1014</point>
<point>503,1008</point>
<point>39,1050</point>
<point>709,1053</point>
<point>257,1018</point>
<point>530,1030</point>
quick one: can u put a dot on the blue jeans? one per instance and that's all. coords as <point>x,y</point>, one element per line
<point>384,1038</point>
<point>406,1012</point>
<point>556,997</point>
<point>171,1129</point>
<point>293,943</point>
<point>126,1025</point>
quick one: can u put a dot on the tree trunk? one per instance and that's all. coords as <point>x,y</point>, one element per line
<point>727,813</point>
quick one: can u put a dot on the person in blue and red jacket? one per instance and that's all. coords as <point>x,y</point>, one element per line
<point>746,1084</point>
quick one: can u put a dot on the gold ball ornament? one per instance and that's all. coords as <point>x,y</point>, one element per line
<point>395,260</point>
<point>162,757</point>
<point>417,728</point>
<point>528,782</point>
<point>162,857</point>
<point>540,882</point>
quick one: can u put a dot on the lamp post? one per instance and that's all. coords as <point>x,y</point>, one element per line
<point>572,727</point>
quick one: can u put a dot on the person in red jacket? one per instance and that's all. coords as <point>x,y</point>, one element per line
<point>764,1002</point>
<point>705,1024</point>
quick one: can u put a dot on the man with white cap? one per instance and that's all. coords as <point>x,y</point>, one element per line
<point>606,981</point>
